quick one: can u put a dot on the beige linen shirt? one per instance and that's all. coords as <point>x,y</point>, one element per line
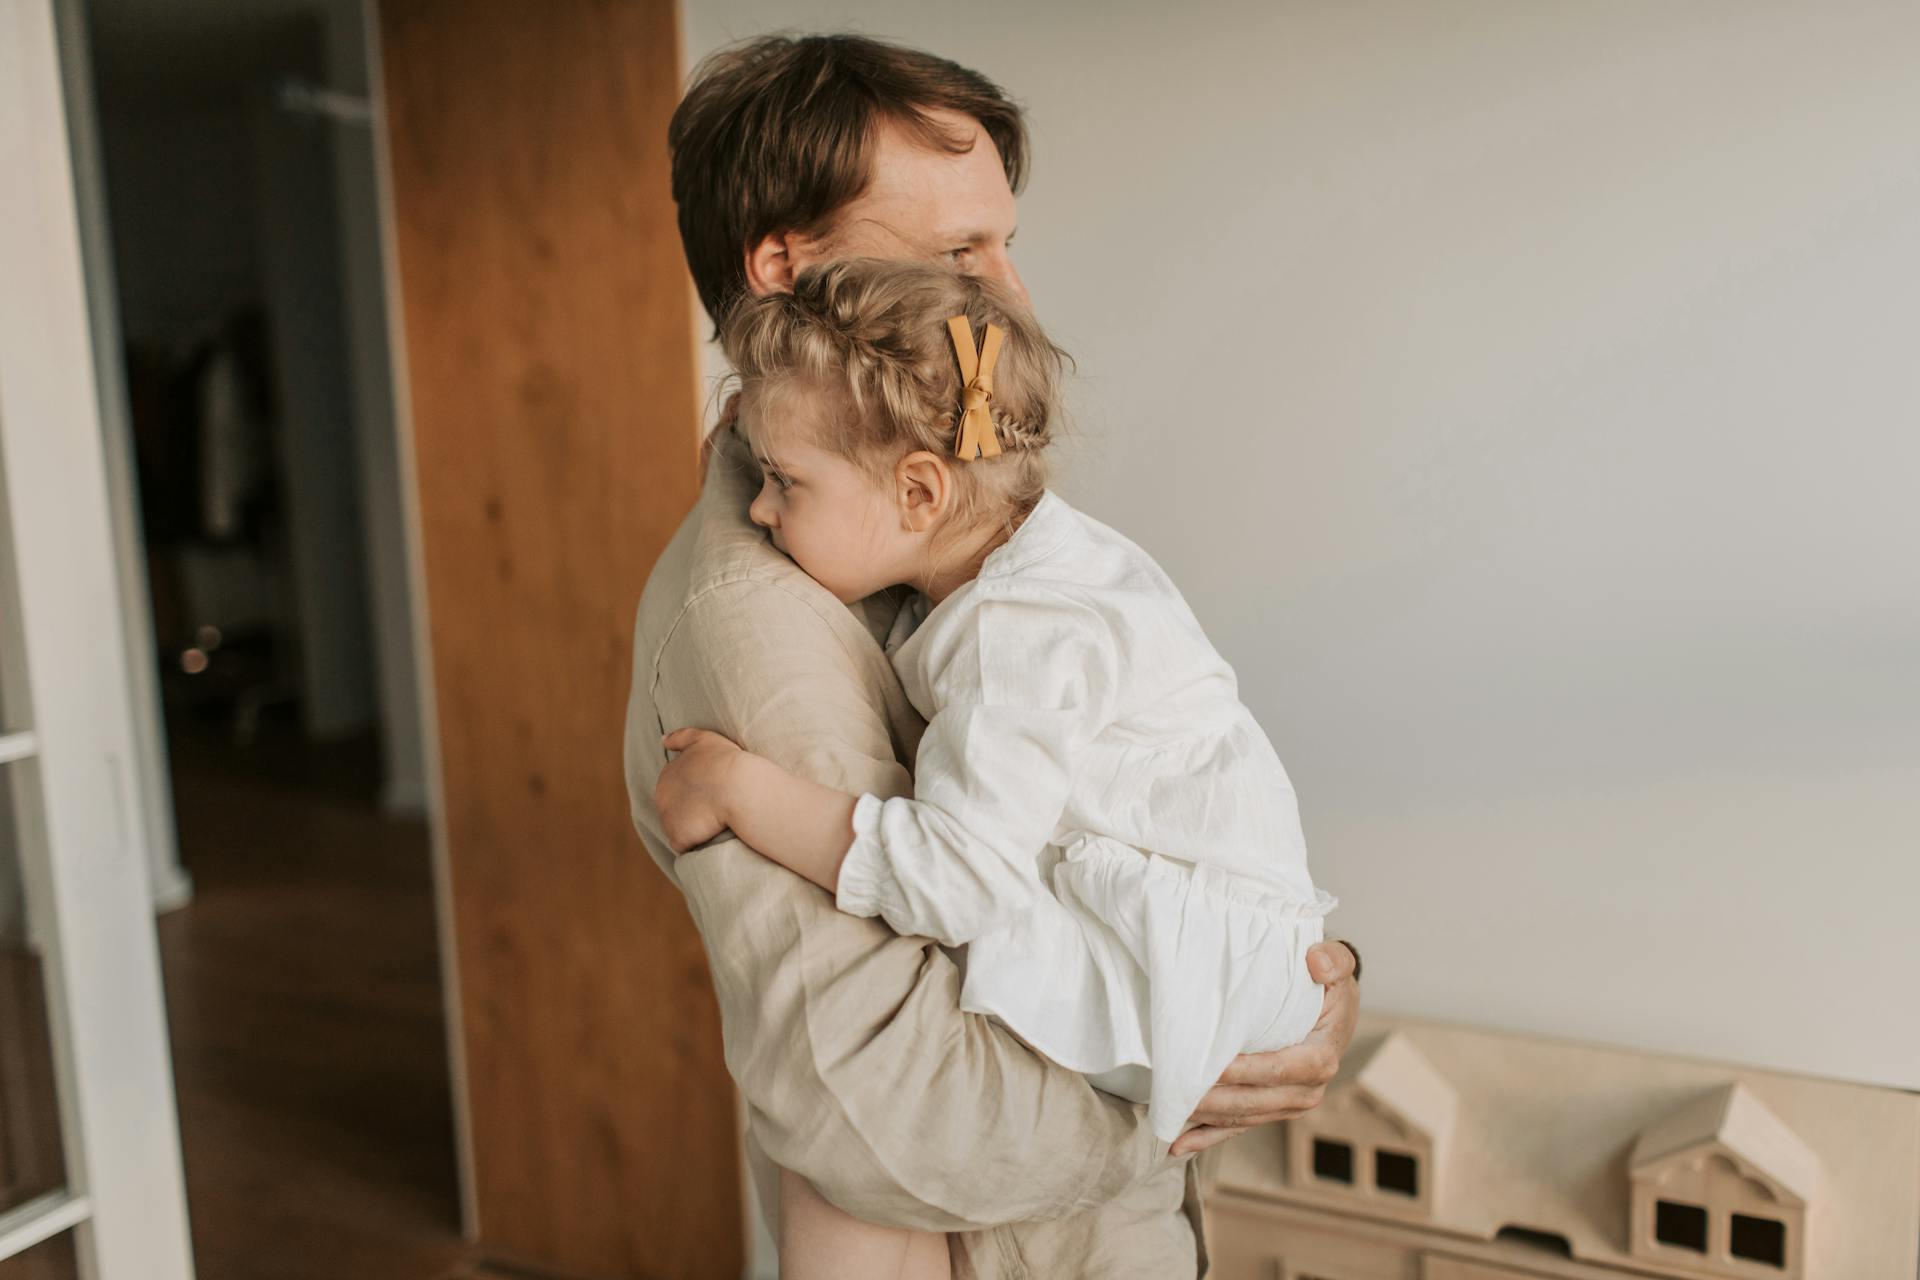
<point>859,1070</point>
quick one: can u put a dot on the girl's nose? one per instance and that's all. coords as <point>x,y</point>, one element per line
<point>761,511</point>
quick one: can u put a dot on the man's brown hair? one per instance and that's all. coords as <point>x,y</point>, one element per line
<point>776,135</point>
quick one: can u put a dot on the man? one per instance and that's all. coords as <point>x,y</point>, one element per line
<point>859,1069</point>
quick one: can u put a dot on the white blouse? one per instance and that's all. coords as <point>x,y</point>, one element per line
<point>1098,816</point>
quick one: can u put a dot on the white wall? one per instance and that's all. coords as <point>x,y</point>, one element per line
<point>302,276</point>
<point>376,429</point>
<point>1525,396</point>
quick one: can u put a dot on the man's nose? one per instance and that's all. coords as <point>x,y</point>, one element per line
<point>1009,275</point>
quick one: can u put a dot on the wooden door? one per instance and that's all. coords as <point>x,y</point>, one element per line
<point>549,371</point>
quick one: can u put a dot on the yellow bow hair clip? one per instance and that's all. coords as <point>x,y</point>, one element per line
<point>977,438</point>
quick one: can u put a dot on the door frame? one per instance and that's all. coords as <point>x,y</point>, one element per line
<point>62,655</point>
<point>172,886</point>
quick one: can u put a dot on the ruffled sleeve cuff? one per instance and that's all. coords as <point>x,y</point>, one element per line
<point>866,880</point>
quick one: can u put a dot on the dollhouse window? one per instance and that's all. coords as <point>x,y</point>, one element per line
<point>1332,1161</point>
<point>1759,1240</point>
<point>1397,1172</point>
<point>1682,1225</point>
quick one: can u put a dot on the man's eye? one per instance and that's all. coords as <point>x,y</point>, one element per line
<point>957,255</point>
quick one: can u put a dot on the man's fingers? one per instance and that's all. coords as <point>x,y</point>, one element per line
<point>1238,1104</point>
<point>1310,1064</point>
<point>1329,962</point>
<point>1203,1137</point>
<point>680,739</point>
<point>1260,1088</point>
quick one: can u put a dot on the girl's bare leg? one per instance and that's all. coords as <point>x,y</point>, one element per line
<point>821,1242</point>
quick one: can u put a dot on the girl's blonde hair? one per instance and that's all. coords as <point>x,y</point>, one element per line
<point>874,333</point>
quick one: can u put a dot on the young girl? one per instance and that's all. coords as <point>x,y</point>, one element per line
<point>1095,815</point>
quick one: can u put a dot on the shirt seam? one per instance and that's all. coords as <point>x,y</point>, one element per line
<point>748,577</point>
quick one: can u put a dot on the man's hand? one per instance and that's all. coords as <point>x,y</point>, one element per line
<point>1260,1088</point>
<point>693,793</point>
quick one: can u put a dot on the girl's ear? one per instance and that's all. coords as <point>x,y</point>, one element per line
<point>924,489</point>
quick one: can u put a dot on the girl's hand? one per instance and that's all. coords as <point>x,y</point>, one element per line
<point>695,788</point>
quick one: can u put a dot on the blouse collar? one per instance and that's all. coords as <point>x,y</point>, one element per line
<point>1044,529</point>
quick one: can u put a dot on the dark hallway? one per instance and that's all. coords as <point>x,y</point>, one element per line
<point>309,1044</point>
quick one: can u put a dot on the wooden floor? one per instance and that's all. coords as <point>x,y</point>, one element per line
<point>309,1045</point>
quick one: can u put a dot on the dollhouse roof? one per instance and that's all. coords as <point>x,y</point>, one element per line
<point>1549,1132</point>
<point>1731,1119</point>
<point>1398,1076</point>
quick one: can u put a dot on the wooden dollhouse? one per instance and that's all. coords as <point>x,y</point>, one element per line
<point>1723,1179</point>
<point>1443,1153</point>
<point>1382,1137</point>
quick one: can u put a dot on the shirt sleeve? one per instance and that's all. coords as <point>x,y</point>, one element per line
<point>1021,687</point>
<point>859,1070</point>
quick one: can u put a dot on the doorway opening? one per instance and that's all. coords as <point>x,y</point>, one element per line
<point>225,161</point>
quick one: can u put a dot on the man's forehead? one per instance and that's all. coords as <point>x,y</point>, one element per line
<point>956,195</point>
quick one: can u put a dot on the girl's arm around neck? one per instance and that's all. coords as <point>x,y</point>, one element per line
<point>712,785</point>
<point>801,825</point>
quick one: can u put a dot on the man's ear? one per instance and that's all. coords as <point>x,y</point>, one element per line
<point>770,265</point>
<point>923,484</point>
